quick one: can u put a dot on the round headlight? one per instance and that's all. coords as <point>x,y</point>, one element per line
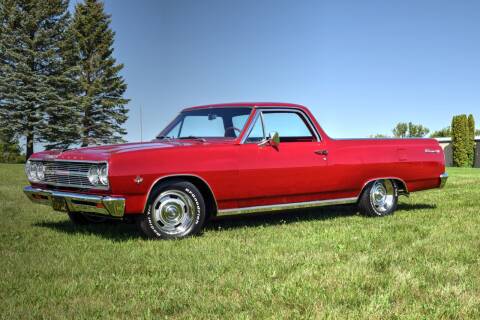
<point>40,171</point>
<point>33,171</point>
<point>29,170</point>
<point>103,174</point>
<point>93,175</point>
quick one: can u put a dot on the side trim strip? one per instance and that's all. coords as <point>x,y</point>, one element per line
<point>386,178</point>
<point>286,206</point>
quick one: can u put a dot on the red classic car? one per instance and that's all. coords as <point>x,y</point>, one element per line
<point>226,159</point>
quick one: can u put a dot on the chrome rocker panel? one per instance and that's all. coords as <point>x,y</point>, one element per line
<point>287,206</point>
<point>76,202</point>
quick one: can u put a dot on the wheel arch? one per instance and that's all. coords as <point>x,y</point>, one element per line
<point>199,182</point>
<point>400,184</point>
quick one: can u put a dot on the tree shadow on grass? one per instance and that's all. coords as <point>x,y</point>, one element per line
<point>117,231</point>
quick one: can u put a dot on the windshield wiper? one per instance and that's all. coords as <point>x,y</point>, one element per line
<point>164,137</point>
<point>193,138</point>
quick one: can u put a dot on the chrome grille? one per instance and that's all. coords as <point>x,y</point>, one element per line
<point>67,173</point>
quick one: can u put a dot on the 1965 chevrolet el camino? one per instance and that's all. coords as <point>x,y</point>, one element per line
<point>226,159</point>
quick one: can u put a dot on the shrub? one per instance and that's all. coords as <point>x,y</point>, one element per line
<point>460,141</point>
<point>471,140</point>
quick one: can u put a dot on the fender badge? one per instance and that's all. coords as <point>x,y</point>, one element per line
<point>138,179</point>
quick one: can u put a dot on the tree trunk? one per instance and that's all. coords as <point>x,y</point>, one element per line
<point>29,144</point>
<point>84,142</point>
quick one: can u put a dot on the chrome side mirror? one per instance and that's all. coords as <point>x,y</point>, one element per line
<point>273,139</point>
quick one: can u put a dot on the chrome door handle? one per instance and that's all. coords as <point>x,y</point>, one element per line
<point>322,152</point>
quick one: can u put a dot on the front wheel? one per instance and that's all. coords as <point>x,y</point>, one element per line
<point>175,210</point>
<point>379,198</point>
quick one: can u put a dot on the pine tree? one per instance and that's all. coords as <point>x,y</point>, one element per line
<point>33,81</point>
<point>9,149</point>
<point>471,140</point>
<point>460,141</point>
<point>102,88</point>
<point>63,120</point>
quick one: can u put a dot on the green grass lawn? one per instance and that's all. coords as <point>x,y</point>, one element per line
<point>422,262</point>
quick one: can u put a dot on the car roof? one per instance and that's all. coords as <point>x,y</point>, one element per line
<point>249,104</point>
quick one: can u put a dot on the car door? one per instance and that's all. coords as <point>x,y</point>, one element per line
<point>293,171</point>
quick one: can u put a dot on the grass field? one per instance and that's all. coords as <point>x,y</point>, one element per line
<point>423,262</point>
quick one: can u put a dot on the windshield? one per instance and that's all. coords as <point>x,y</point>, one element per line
<point>207,123</point>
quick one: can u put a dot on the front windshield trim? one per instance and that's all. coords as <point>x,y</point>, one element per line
<point>163,134</point>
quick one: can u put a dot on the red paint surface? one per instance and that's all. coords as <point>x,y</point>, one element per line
<point>243,175</point>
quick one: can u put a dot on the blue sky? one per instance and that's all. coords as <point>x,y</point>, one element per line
<point>360,66</point>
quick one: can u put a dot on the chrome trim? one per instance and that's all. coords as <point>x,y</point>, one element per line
<point>178,175</point>
<point>67,160</point>
<point>262,119</point>
<point>249,129</point>
<point>286,206</point>
<point>443,179</point>
<point>76,202</point>
<point>406,193</point>
<point>432,151</point>
<point>259,111</point>
<point>76,174</point>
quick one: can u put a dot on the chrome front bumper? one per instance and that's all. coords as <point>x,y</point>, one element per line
<point>77,202</point>
<point>443,179</point>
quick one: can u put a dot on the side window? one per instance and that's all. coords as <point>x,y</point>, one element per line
<point>290,125</point>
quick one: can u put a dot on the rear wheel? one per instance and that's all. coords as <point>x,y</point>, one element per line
<point>379,198</point>
<point>175,210</point>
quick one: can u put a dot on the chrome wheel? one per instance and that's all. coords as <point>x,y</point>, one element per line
<point>382,196</point>
<point>173,212</point>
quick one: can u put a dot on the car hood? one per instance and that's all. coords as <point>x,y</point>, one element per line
<point>99,153</point>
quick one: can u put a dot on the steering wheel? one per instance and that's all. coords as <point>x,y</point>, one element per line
<point>233,129</point>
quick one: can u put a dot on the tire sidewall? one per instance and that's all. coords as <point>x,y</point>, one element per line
<point>198,203</point>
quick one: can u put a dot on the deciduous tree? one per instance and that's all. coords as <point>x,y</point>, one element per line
<point>442,133</point>
<point>409,130</point>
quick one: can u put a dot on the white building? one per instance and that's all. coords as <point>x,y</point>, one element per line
<point>446,144</point>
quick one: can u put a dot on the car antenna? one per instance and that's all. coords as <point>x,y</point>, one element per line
<point>141,125</point>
